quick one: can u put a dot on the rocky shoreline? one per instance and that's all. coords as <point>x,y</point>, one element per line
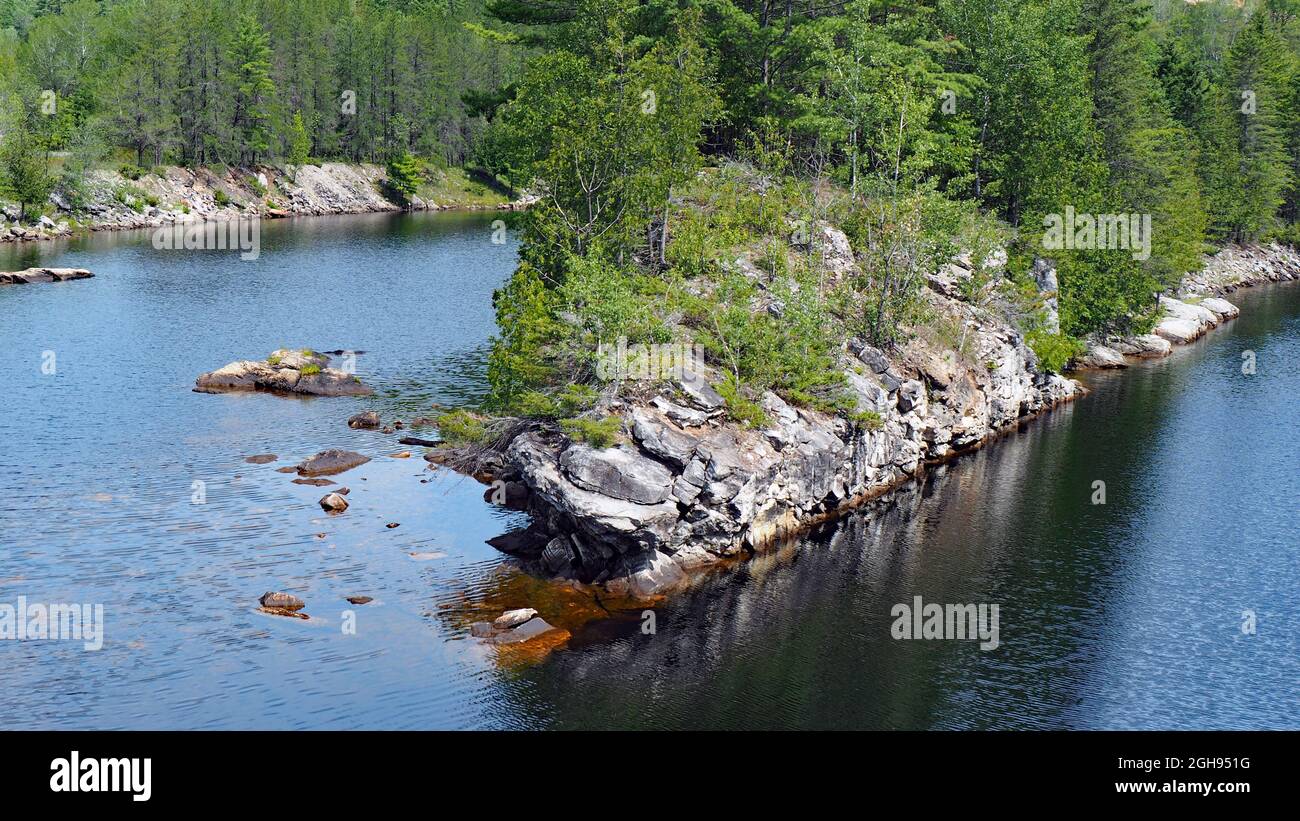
<point>1199,306</point>
<point>685,489</point>
<point>109,201</point>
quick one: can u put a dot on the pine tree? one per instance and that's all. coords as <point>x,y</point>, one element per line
<point>250,55</point>
<point>1246,166</point>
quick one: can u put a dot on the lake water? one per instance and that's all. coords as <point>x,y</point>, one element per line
<point>1127,614</point>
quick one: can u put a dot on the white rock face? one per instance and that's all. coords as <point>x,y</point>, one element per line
<point>1179,331</point>
<point>1221,307</point>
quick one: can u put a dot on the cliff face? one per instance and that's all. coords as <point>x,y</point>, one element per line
<point>688,488</point>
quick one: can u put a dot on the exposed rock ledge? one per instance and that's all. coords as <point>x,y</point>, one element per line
<point>284,371</point>
<point>687,489</point>
<point>31,275</point>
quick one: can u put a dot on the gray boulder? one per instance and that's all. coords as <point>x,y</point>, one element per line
<point>618,472</point>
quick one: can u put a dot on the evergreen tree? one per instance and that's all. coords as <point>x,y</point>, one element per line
<point>250,54</point>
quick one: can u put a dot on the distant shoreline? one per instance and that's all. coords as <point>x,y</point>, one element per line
<point>178,195</point>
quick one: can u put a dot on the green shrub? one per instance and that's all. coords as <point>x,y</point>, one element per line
<point>131,172</point>
<point>460,427</point>
<point>868,420</point>
<point>570,401</point>
<point>221,198</point>
<point>1054,351</point>
<point>742,409</point>
<point>310,370</point>
<point>599,433</point>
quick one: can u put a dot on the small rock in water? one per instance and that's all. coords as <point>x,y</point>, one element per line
<point>427,555</point>
<point>331,461</point>
<point>406,454</point>
<point>261,458</point>
<point>528,630</point>
<point>286,470</point>
<point>392,525</point>
<point>343,491</point>
<point>359,600</point>
<point>366,419</point>
<point>334,503</point>
<point>282,601</point>
<point>514,618</point>
<point>320,535</point>
<point>482,630</point>
<point>313,482</point>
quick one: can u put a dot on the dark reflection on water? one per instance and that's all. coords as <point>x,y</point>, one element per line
<point>1123,615</point>
<point>1120,615</point>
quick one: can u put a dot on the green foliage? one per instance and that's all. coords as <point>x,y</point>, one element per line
<point>568,401</point>
<point>740,407</point>
<point>24,172</point>
<point>460,427</point>
<point>1054,351</point>
<point>404,177</point>
<point>867,420</point>
<point>599,433</point>
<point>299,141</point>
<point>310,370</point>
<point>220,198</point>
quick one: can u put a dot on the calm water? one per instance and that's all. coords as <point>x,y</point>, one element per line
<point>1122,615</point>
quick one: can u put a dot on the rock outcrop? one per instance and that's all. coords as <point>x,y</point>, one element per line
<point>686,488</point>
<point>284,371</point>
<point>31,275</point>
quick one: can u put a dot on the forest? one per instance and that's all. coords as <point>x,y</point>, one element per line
<point>663,135</point>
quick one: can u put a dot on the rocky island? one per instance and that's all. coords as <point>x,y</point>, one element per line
<point>685,487</point>
<point>302,371</point>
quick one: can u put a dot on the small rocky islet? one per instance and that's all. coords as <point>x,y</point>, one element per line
<point>29,276</point>
<point>285,371</point>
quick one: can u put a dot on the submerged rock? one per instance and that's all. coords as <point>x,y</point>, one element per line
<point>313,482</point>
<point>525,632</point>
<point>261,459</point>
<point>359,600</point>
